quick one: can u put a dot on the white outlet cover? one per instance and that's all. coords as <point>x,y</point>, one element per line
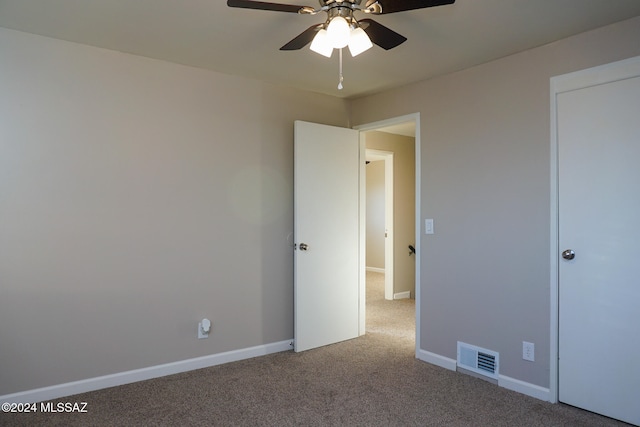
<point>528,351</point>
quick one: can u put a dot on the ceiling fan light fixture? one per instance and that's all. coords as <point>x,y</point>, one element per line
<point>359,42</point>
<point>321,44</point>
<point>338,31</point>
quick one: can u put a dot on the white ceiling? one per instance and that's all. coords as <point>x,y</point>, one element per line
<point>208,34</point>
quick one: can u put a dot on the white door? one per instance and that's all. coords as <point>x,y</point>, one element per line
<point>326,210</point>
<point>599,220</point>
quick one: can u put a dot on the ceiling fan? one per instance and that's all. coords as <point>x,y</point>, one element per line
<point>341,28</point>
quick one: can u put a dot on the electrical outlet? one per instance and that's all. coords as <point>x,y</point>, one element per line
<point>528,351</point>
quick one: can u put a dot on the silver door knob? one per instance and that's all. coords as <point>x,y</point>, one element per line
<point>568,254</point>
<point>303,246</point>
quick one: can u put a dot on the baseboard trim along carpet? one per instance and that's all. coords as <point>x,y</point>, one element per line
<point>525,388</point>
<point>503,381</point>
<point>121,378</point>
<point>436,359</point>
<point>402,295</point>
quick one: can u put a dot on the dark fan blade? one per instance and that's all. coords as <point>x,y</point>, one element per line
<point>384,37</point>
<point>247,4</point>
<point>391,6</point>
<point>303,39</point>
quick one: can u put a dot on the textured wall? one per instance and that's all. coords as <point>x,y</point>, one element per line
<point>136,197</point>
<point>375,215</point>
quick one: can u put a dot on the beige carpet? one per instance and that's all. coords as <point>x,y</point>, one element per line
<point>373,380</point>
<point>395,319</point>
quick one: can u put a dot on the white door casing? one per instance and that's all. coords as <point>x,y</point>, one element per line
<point>326,220</point>
<point>598,148</point>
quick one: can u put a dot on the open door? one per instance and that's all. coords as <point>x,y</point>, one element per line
<point>327,235</point>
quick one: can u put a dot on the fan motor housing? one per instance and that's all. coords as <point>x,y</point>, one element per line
<point>345,12</point>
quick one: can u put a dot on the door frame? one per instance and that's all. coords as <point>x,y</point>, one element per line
<point>415,119</point>
<point>387,157</point>
<point>607,73</point>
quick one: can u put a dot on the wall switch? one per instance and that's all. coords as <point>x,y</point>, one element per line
<point>428,226</point>
<point>528,351</point>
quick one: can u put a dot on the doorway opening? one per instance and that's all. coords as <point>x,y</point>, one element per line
<point>391,148</point>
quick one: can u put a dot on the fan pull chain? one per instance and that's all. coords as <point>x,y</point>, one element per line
<point>341,77</point>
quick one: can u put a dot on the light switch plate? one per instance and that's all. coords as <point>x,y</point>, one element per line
<point>428,226</point>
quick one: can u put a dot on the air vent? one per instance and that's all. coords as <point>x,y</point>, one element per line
<point>478,360</point>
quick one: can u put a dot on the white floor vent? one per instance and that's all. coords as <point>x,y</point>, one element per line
<point>479,360</point>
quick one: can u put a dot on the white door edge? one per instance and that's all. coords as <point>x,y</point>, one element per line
<point>415,118</point>
<point>607,73</point>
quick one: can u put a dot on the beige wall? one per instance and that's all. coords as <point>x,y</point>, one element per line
<point>403,149</point>
<point>136,197</point>
<point>486,182</point>
<point>375,215</point>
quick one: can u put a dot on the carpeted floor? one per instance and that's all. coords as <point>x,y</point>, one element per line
<point>394,319</point>
<point>373,380</point>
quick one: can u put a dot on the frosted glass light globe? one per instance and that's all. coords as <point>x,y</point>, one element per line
<point>359,42</point>
<point>338,31</point>
<point>321,44</point>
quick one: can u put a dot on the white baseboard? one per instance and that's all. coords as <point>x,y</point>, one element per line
<point>525,388</point>
<point>436,359</point>
<point>97,383</point>
<point>375,269</point>
<point>503,381</point>
<point>402,295</point>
